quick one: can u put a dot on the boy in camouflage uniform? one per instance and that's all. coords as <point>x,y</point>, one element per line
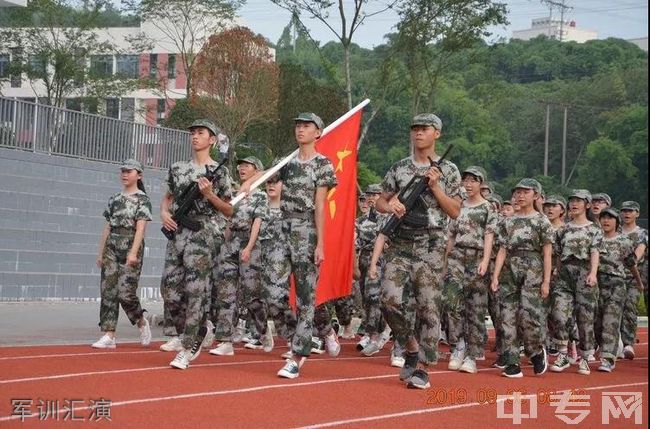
<point>629,214</point>
<point>120,256</point>
<point>525,247</point>
<point>616,257</point>
<point>469,247</point>
<point>189,258</point>
<point>414,260</point>
<point>578,245</point>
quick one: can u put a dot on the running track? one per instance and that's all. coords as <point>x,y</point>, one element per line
<point>243,390</point>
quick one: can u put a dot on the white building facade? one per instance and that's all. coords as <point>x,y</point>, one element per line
<point>555,29</point>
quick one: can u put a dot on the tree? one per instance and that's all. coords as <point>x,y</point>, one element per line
<point>185,24</point>
<point>236,81</point>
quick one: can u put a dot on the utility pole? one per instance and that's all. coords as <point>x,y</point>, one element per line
<point>563,8</point>
<point>564,146</point>
<point>548,120</point>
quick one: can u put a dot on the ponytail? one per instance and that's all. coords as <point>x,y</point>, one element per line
<point>141,186</point>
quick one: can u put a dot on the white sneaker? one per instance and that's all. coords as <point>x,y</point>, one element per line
<point>372,348</point>
<point>174,344</point>
<point>469,365</point>
<point>291,369</point>
<point>267,341</point>
<point>182,359</point>
<point>240,331</point>
<point>145,333</point>
<point>363,342</point>
<point>209,336</point>
<point>287,355</point>
<point>619,353</point>
<point>583,367</point>
<point>348,333</point>
<point>396,361</point>
<point>332,344</point>
<point>628,352</point>
<point>223,349</point>
<point>317,346</point>
<point>248,338</point>
<point>105,342</point>
<point>456,359</point>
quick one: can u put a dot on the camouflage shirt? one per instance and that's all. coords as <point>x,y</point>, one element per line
<point>578,241</point>
<point>528,233</point>
<point>367,228</point>
<point>254,206</point>
<point>472,224</point>
<point>399,175</point>
<point>639,236</point>
<point>614,255</point>
<point>300,180</point>
<point>125,209</point>
<point>183,173</point>
<point>271,228</point>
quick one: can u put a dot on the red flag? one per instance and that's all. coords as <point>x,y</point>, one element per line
<point>335,278</point>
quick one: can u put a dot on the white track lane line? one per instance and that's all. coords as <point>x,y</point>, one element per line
<point>447,408</point>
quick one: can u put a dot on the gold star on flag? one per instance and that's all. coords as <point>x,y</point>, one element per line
<point>341,155</point>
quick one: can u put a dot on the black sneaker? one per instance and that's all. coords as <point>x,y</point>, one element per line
<point>540,363</point>
<point>410,364</point>
<point>512,371</point>
<point>500,363</point>
<point>419,380</point>
<point>552,351</point>
<point>195,351</point>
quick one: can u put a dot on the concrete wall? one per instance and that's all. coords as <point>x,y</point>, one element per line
<point>50,225</point>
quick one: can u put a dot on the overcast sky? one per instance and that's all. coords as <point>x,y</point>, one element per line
<point>625,19</point>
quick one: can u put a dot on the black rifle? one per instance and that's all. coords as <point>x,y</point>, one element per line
<point>411,197</point>
<point>188,200</point>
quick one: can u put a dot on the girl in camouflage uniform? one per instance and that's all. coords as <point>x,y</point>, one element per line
<point>469,247</point>
<point>525,245</point>
<point>578,245</point>
<point>617,254</point>
<point>120,256</point>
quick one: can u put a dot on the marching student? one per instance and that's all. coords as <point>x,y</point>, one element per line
<point>120,256</point>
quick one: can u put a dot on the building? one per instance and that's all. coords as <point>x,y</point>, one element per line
<point>13,3</point>
<point>555,29</point>
<point>641,42</point>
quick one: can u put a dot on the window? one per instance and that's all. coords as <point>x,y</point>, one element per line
<point>171,67</point>
<point>4,65</point>
<point>101,65</point>
<point>128,66</point>
<point>127,109</point>
<point>92,105</point>
<point>113,108</point>
<point>153,65</point>
<point>160,116</point>
<point>37,66</point>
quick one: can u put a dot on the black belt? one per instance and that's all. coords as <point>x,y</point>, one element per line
<point>524,253</point>
<point>122,230</point>
<point>572,260</point>
<point>298,215</point>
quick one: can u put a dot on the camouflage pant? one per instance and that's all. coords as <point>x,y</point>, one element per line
<point>414,267</point>
<point>466,299</point>
<point>119,282</point>
<point>275,280</point>
<point>301,237</point>
<point>630,313</point>
<point>522,306</point>
<point>322,320</point>
<point>185,283</point>
<point>570,294</point>
<point>371,293</point>
<point>239,290</point>
<point>608,324</point>
<point>494,307</point>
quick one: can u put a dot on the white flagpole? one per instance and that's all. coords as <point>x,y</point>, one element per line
<point>271,171</point>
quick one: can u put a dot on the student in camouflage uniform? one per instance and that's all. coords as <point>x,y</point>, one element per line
<point>414,260</point>
<point>120,256</point>
<point>578,245</point>
<point>525,245</point>
<point>629,213</point>
<point>239,291</point>
<point>616,257</point>
<point>599,202</point>
<point>189,258</point>
<point>469,247</point>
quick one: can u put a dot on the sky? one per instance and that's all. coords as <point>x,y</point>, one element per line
<point>624,19</point>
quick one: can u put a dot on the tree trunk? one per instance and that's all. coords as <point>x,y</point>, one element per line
<point>348,79</point>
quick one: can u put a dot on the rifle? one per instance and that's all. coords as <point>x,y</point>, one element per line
<point>411,196</point>
<point>188,200</point>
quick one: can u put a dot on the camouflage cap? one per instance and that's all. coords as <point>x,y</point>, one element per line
<point>630,205</point>
<point>556,199</point>
<point>611,212</point>
<point>132,164</point>
<point>427,119</point>
<point>374,188</point>
<point>495,198</point>
<point>475,171</point>
<point>603,197</point>
<point>253,160</point>
<point>205,123</point>
<point>528,183</point>
<point>363,196</point>
<point>583,194</point>
<point>310,117</point>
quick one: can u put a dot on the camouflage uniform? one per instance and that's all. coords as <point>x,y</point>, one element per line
<point>522,304</point>
<point>466,291</point>
<point>612,272</point>
<point>575,244</point>
<point>239,290</point>
<point>190,256</point>
<point>119,281</point>
<point>630,310</point>
<point>300,180</point>
<point>494,298</point>
<point>414,261</point>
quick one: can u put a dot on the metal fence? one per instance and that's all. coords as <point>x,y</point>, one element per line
<point>46,129</point>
